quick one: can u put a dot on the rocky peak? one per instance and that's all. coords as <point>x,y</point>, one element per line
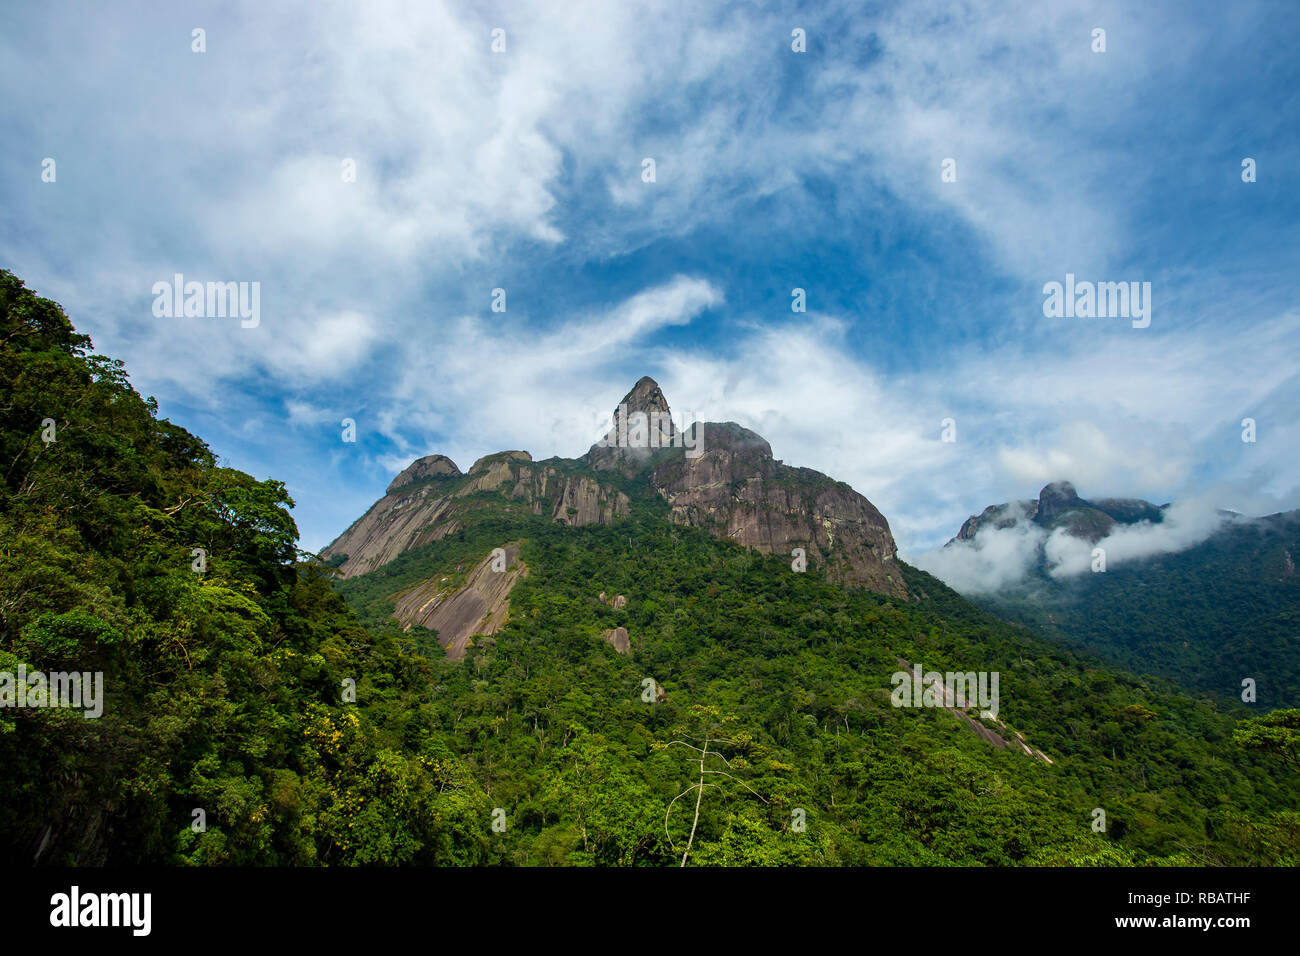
<point>487,461</point>
<point>642,424</point>
<point>720,477</point>
<point>430,466</point>
<point>1059,506</point>
<point>1055,498</point>
<point>646,396</point>
<point>735,490</point>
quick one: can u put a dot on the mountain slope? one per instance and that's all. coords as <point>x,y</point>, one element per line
<point>251,717</point>
<point>801,668</point>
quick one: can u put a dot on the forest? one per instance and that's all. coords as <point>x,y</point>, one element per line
<point>260,711</point>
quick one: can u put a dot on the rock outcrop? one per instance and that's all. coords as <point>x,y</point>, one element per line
<point>737,491</point>
<point>417,512</point>
<point>642,425</point>
<point>425,469</point>
<point>618,639</point>
<point>480,606</point>
<point>395,523</point>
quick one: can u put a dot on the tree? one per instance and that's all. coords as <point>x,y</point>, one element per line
<point>709,721</point>
<point>1276,734</point>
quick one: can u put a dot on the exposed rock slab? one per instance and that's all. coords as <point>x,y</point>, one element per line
<point>414,514</point>
<point>481,606</point>
<point>425,469</point>
<point>618,639</point>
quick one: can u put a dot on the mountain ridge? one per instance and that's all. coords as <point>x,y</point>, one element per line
<point>1058,505</point>
<point>719,476</point>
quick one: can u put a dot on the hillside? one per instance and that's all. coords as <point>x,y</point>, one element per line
<point>802,668</point>
<point>225,735</point>
<point>251,716</point>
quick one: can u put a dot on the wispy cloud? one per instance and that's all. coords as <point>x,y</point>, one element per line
<point>1008,555</point>
<point>522,170</point>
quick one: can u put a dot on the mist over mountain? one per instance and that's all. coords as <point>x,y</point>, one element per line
<point>1010,546</point>
<point>1190,592</point>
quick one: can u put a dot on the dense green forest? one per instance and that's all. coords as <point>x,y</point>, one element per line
<point>801,667</point>
<point>228,677</point>
<point>223,688</point>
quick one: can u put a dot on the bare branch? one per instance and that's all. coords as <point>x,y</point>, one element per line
<point>739,781</point>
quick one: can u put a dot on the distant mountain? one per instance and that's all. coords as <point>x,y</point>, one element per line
<point>720,477</point>
<point>1059,506</point>
<point>1209,615</point>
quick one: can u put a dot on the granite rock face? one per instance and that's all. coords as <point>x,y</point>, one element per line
<point>737,491</point>
<point>413,514</point>
<point>642,425</point>
<point>618,639</point>
<point>424,469</point>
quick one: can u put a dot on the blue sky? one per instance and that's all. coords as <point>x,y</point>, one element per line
<point>820,170</point>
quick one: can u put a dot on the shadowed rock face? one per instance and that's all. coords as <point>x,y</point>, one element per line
<point>729,485</point>
<point>1056,498</point>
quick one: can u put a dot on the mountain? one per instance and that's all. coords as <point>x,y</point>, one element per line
<point>522,685</point>
<point>1208,613</point>
<point>720,477</point>
<point>431,498</point>
<point>1059,506</point>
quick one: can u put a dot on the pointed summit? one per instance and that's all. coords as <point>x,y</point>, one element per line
<point>642,424</point>
<point>646,396</point>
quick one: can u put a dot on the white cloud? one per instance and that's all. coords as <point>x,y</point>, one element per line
<point>543,391</point>
<point>466,160</point>
<point>1089,455</point>
<point>1186,523</point>
<point>995,559</point>
<point>1004,558</point>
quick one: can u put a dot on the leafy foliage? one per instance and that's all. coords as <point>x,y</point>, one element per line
<point>223,690</point>
<point>230,691</point>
